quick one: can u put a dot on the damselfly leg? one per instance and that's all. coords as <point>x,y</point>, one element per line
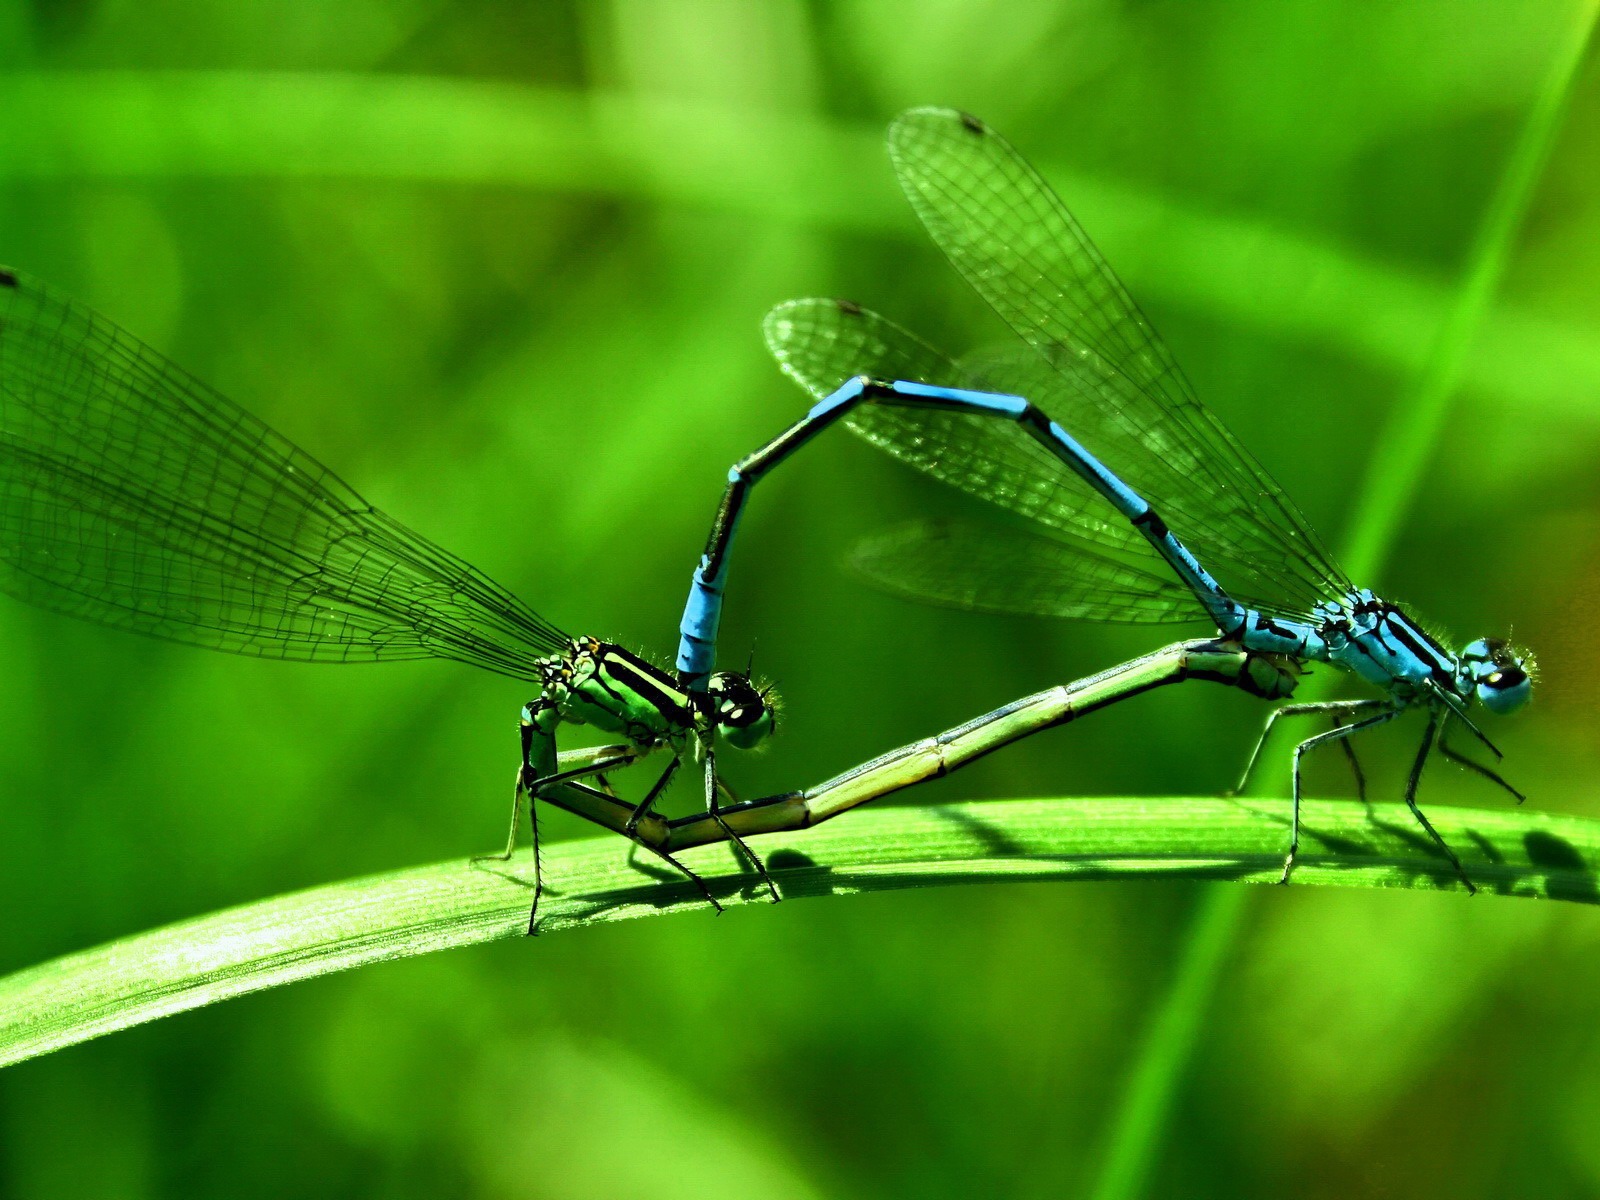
<point>1436,720</point>
<point>630,830</point>
<point>714,808</point>
<point>1337,709</point>
<point>1340,732</point>
<point>538,751</point>
<point>1455,756</point>
<point>1355,763</point>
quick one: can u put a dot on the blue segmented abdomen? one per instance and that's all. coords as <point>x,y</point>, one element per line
<point>1277,635</point>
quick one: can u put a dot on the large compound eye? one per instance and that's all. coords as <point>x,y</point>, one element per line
<point>1504,689</point>
<point>743,717</point>
<point>1501,676</point>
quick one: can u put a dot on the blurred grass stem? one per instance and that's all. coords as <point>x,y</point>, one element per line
<point>1398,462</point>
<point>131,125</point>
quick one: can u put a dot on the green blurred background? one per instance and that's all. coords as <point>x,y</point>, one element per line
<point>502,266</point>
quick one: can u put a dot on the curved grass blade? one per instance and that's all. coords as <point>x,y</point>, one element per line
<point>381,917</point>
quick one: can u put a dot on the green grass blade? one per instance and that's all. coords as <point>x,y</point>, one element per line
<point>415,911</point>
<point>1398,461</point>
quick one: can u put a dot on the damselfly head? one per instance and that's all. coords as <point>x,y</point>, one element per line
<point>1501,677</point>
<point>745,715</point>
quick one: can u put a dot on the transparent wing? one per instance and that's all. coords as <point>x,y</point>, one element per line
<point>1014,241</point>
<point>133,495</point>
<point>990,568</point>
<point>1245,555</point>
<point>822,343</point>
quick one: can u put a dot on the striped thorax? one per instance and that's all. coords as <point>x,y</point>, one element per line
<point>616,691</point>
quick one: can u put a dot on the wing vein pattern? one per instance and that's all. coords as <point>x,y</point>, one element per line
<point>1090,359</point>
<point>133,495</point>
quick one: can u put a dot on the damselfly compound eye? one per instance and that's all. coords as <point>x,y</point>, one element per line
<point>744,717</point>
<point>1501,677</point>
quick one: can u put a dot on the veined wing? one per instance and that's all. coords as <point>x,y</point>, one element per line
<point>1242,554</point>
<point>822,343</point>
<point>135,496</point>
<point>1014,241</point>
<point>996,569</point>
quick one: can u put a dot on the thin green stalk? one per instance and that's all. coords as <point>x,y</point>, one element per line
<point>1401,455</point>
<point>1163,1056</point>
<point>588,882</point>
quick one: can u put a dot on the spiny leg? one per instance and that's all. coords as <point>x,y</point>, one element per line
<point>595,769</point>
<point>511,834</point>
<point>643,808</point>
<point>604,785</point>
<point>713,787</point>
<point>1355,763</point>
<point>631,831</point>
<point>596,765</point>
<point>1311,743</point>
<point>538,874</point>
<point>527,781</point>
<point>537,728</point>
<point>524,770</point>
<point>633,844</point>
<point>1435,728</point>
<point>1339,709</point>
<point>538,734</point>
<point>1459,711</point>
<point>1456,756</point>
<point>535,775</point>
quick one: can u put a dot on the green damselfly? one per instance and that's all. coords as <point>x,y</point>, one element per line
<point>133,495</point>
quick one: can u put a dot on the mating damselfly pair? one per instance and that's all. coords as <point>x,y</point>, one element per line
<point>132,495</point>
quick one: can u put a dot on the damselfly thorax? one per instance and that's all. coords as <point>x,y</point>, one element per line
<point>616,691</point>
<point>1379,642</point>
